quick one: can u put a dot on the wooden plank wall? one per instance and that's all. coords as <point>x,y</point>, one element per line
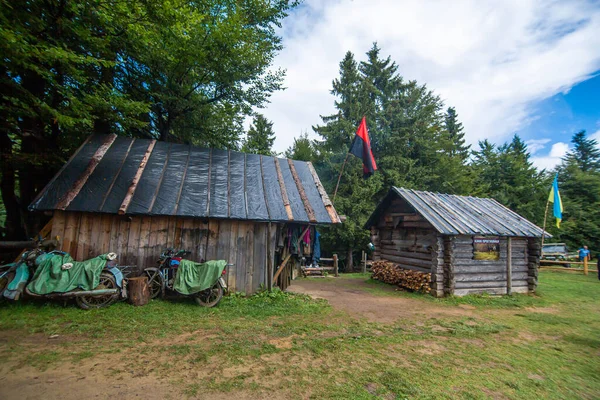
<point>139,240</point>
<point>534,247</point>
<point>479,276</point>
<point>449,259</point>
<point>410,248</point>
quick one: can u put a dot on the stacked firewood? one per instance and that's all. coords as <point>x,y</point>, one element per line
<point>391,273</point>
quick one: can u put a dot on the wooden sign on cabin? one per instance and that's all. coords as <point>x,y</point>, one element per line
<point>486,248</point>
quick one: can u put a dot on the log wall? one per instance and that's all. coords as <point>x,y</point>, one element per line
<point>139,240</point>
<point>488,276</point>
<point>410,248</point>
<point>450,261</point>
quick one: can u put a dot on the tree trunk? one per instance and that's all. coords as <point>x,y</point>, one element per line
<point>349,261</point>
<point>138,290</point>
<point>13,227</point>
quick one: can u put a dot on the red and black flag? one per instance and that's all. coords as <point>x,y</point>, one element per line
<point>361,148</point>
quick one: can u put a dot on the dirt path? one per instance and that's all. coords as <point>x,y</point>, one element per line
<point>352,296</point>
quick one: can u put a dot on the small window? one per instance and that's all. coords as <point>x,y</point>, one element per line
<point>486,248</point>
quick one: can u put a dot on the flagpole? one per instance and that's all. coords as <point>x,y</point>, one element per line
<point>340,177</point>
<point>544,228</point>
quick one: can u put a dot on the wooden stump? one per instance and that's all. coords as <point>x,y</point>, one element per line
<point>139,291</point>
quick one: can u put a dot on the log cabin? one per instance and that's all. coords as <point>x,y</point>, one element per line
<point>468,244</point>
<point>137,197</point>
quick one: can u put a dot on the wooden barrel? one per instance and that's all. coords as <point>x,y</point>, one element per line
<point>138,290</point>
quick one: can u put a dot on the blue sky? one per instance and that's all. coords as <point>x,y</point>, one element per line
<point>514,66</point>
<point>557,118</point>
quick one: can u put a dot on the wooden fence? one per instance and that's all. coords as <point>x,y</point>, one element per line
<point>585,264</point>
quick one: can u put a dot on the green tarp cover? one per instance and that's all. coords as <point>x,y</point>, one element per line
<point>49,276</point>
<point>193,277</point>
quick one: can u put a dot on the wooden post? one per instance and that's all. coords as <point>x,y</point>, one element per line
<point>585,265</point>
<point>509,266</point>
<point>363,261</point>
<point>544,228</point>
<point>269,259</point>
<point>340,177</point>
<point>335,265</point>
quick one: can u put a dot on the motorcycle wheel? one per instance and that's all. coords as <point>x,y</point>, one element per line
<point>210,297</point>
<point>155,281</point>
<point>107,281</point>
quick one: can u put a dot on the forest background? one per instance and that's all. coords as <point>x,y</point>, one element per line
<point>193,72</point>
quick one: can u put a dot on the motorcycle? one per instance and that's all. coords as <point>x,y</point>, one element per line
<point>17,279</point>
<point>162,279</point>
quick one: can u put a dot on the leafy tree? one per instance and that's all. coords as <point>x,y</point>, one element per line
<point>186,71</point>
<point>260,137</point>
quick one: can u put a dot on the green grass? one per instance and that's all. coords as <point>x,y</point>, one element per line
<point>543,346</point>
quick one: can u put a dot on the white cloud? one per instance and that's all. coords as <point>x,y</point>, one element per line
<point>535,145</point>
<point>596,136</point>
<point>557,152</point>
<point>491,60</point>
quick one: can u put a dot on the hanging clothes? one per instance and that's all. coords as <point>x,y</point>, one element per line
<point>316,248</point>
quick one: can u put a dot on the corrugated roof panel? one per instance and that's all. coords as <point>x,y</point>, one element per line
<point>311,191</point>
<point>272,190</point>
<point>237,183</point>
<point>98,186</point>
<point>255,195</point>
<point>145,193</point>
<point>65,179</point>
<point>219,184</point>
<point>123,180</point>
<point>461,215</point>
<point>292,191</point>
<point>170,185</point>
<point>185,181</point>
<point>194,195</point>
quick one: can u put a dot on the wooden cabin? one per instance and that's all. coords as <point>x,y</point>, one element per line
<point>137,197</point>
<point>468,244</point>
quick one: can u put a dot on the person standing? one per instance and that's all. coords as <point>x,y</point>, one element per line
<point>584,253</point>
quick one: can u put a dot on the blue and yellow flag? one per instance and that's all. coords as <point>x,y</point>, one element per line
<point>555,199</point>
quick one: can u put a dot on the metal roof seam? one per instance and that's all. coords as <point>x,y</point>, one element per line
<point>262,180</point>
<point>208,184</point>
<point>162,175</point>
<point>176,179</point>
<point>520,219</point>
<point>456,223</point>
<point>489,225</point>
<point>187,163</point>
<point>68,197</point>
<point>112,184</point>
<point>474,226</point>
<point>43,192</point>
<point>501,229</point>
<point>442,225</point>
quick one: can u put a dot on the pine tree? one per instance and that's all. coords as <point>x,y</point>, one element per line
<point>303,149</point>
<point>579,183</point>
<point>408,139</point>
<point>260,137</point>
<point>456,135</point>
<point>586,153</point>
<point>507,174</point>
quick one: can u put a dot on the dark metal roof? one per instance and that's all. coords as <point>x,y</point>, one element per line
<point>461,215</point>
<point>115,174</point>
